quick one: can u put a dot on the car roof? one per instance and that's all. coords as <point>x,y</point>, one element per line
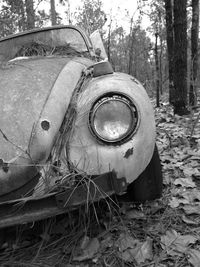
<point>35,30</point>
<point>9,45</point>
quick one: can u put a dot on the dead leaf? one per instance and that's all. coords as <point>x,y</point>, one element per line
<point>107,242</point>
<point>194,162</point>
<point>192,209</point>
<point>191,171</point>
<point>84,242</point>
<point>192,195</point>
<point>167,179</point>
<point>157,228</point>
<point>91,247</point>
<point>186,182</point>
<point>175,202</point>
<point>135,214</point>
<point>185,197</point>
<point>126,255</point>
<point>132,249</point>
<point>189,221</point>
<point>194,257</point>
<point>144,252</point>
<point>126,241</point>
<point>175,244</point>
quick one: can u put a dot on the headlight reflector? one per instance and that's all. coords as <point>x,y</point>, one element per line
<point>113,118</point>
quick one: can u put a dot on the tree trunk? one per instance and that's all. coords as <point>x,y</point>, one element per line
<point>180,57</point>
<point>157,72</point>
<point>69,13</point>
<point>194,52</point>
<point>131,42</point>
<point>30,14</point>
<point>159,29</point>
<point>53,13</point>
<point>21,15</point>
<point>109,37</point>
<point>161,65</point>
<point>170,48</point>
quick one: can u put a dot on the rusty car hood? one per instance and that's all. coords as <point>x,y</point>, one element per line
<point>24,89</point>
<point>34,96</point>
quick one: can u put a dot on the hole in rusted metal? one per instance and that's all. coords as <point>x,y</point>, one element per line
<point>4,165</point>
<point>128,153</point>
<point>1,163</point>
<point>45,125</point>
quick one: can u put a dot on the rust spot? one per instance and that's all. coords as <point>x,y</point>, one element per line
<point>128,153</point>
<point>45,125</point>
<point>4,165</point>
<point>134,80</point>
<point>1,162</point>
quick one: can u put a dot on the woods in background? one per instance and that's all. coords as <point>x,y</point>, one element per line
<point>182,53</point>
<point>164,56</point>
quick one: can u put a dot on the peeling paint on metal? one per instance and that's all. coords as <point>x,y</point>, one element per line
<point>128,153</point>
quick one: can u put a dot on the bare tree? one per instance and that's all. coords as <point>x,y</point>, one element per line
<point>109,37</point>
<point>180,57</point>
<point>176,24</point>
<point>157,71</point>
<point>170,47</point>
<point>131,46</point>
<point>194,52</point>
<point>53,13</point>
<point>30,14</point>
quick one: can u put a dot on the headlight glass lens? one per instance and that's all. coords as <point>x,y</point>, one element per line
<point>113,118</point>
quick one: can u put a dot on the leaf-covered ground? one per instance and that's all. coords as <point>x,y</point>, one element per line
<point>161,233</point>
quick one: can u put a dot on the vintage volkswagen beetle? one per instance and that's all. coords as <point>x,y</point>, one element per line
<point>71,129</point>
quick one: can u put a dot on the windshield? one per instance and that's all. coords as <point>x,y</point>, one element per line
<point>49,41</point>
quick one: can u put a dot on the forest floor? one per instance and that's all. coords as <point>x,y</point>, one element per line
<point>161,233</point>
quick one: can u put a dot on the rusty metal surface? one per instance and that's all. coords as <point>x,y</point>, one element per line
<point>93,189</point>
<point>34,96</point>
<point>24,89</point>
<point>33,209</point>
<point>20,212</point>
<point>25,191</point>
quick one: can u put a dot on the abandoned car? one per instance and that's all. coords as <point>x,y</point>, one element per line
<point>71,129</point>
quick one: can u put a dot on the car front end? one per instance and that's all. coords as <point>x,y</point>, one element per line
<point>72,130</point>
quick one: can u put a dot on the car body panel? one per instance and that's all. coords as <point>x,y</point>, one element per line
<point>128,159</point>
<point>25,88</point>
<point>33,91</point>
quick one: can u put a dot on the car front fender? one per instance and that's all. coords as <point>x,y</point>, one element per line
<point>128,159</point>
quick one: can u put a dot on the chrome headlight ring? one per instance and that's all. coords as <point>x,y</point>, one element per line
<point>113,118</point>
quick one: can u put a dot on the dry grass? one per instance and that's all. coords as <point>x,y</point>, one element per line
<point>41,49</point>
<point>54,242</point>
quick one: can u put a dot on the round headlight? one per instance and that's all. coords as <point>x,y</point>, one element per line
<point>113,118</point>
